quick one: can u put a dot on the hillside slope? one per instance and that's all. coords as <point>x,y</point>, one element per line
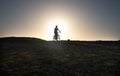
<point>36,57</point>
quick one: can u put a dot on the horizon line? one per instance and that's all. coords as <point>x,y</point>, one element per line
<point>59,40</point>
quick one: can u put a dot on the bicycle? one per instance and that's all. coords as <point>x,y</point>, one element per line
<point>56,37</point>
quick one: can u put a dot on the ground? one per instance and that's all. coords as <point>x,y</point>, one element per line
<point>35,57</point>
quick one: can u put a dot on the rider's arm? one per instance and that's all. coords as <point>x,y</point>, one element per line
<point>59,30</point>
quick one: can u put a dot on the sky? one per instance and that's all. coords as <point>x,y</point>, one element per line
<point>77,19</point>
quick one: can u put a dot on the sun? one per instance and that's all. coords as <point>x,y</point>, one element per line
<point>62,26</point>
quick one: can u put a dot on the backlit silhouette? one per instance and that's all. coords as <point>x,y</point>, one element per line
<point>56,35</point>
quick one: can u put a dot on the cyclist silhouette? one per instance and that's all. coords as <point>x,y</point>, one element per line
<point>56,35</point>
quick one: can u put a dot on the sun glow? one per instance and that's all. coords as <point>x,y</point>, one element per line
<point>62,26</point>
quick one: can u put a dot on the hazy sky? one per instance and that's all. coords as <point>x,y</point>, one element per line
<point>77,19</point>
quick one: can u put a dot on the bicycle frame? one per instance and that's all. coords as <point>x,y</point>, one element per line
<point>56,37</point>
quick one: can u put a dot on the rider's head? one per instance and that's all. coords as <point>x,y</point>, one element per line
<point>56,26</point>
